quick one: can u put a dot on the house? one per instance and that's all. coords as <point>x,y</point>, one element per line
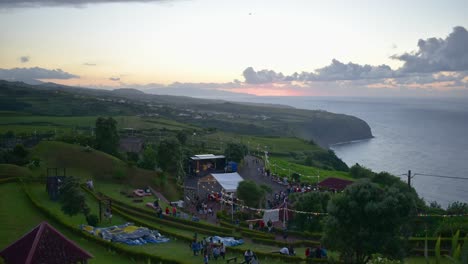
<point>44,244</point>
<point>131,144</point>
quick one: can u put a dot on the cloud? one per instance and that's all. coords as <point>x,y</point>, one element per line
<point>89,64</point>
<point>263,76</point>
<point>33,75</point>
<point>436,54</point>
<point>73,3</point>
<point>24,59</point>
<point>351,71</point>
<point>115,79</point>
<point>333,72</point>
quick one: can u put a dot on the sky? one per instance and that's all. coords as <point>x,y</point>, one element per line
<point>275,48</point>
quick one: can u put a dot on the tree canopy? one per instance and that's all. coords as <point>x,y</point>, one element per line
<point>170,157</point>
<point>107,137</point>
<point>367,219</point>
<point>251,193</point>
<point>72,198</point>
<point>235,151</point>
<point>148,160</point>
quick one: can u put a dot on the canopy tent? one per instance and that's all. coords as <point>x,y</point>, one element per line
<point>218,182</point>
<point>228,181</point>
<point>44,244</point>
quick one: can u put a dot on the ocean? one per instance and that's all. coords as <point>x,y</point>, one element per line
<point>426,136</point>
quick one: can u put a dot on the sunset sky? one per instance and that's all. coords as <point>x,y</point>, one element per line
<point>347,48</point>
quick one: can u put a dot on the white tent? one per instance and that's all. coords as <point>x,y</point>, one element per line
<point>228,181</point>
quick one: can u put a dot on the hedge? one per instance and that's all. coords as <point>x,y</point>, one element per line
<point>182,222</point>
<point>8,180</point>
<point>297,243</point>
<point>109,245</point>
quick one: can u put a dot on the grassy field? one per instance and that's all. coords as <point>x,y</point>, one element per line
<point>28,124</point>
<point>18,216</point>
<point>308,174</point>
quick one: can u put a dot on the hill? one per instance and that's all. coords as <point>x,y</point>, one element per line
<point>322,127</point>
<point>93,164</point>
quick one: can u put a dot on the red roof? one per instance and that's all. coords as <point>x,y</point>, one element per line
<point>44,244</point>
<point>335,183</point>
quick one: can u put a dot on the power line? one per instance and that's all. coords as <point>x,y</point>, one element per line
<point>440,176</point>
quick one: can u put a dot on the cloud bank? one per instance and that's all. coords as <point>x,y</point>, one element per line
<point>34,75</point>
<point>436,64</point>
<point>436,54</point>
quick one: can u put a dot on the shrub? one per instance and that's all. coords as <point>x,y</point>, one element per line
<point>92,219</point>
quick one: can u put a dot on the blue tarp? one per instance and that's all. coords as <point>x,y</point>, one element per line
<point>227,241</point>
<point>127,234</point>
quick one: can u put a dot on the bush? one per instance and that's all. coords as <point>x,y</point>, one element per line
<point>92,220</point>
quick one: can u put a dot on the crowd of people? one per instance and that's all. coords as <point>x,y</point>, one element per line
<point>208,249</point>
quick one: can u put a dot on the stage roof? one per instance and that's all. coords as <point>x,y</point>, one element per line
<point>229,181</point>
<point>207,157</point>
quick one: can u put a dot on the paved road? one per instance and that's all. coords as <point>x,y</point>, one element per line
<point>250,172</point>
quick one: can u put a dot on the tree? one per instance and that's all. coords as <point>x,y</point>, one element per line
<point>72,198</point>
<point>170,157</point>
<point>250,193</point>
<point>296,177</point>
<point>457,208</point>
<point>235,151</point>
<point>309,202</point>
<point>366,219</point>
<point>148,160</point>
<point>182,137</point>
<point>107,137</point>
<point>358,172</point>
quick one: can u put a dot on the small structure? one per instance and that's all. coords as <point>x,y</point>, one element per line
<point>204,164</point>
<point>334,184</point>
<point>218,183</point>
<point>55,179</point>
<point>44,244</point>
<point>131,145</point>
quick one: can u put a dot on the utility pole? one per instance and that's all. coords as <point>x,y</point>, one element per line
<point>409,179</point>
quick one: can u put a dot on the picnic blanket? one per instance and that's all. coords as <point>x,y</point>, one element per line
<point>127,234</point>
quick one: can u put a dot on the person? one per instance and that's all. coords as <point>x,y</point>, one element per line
<point>90,184</point>
<point>261,225</point>
<point>108,214</point>
<point>307,252</point>
<point>284,251</point>
<point>216,253</point>
<point>318,252</point>
<point>291,251</point>
<point>174,211</point>
<point>248,255</point>
<point>222,250</point>
<point>167,210</point>
<point>156,203</point>
<point>205,259</point>
<point>250,225</point>
<point>269,225</point>
<point>159,212</point>
<point>194,247</point>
